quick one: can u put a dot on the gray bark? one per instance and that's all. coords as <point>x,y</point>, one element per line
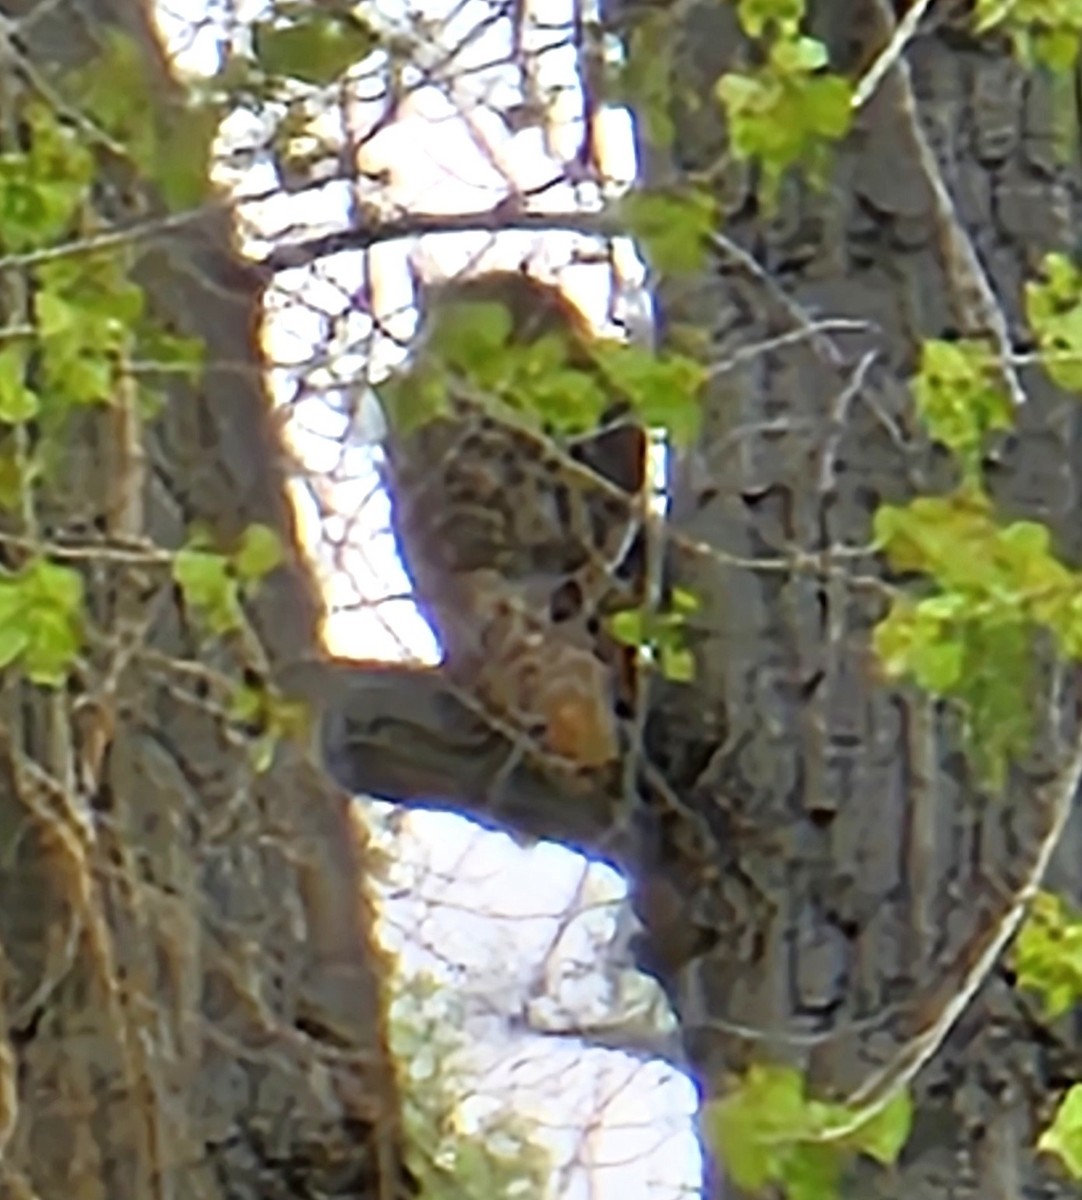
<point>190,985</point>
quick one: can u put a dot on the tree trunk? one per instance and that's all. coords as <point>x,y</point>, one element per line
<point>867,884</point>
<point>191,986</point>
<point>822,880</point>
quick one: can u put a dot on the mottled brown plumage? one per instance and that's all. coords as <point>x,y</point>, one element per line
<point>499,523</point>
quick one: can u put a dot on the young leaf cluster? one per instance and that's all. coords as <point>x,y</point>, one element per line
<point>1047,960</point>
<point>1048,32</point>
<point>213,584</point>
<point>1054,310</point>
<point>1064,1136</point>
<point>268,718</point>
<point>41,620</point>
<point>1047,955</point>
<point>661,636</point>
<point>79,332</point>
<point>312,44</point>
<point>88,322</point>
<point>473,348</point>
<point>789,111</point>
<point>961,398</point>
<point>768,1131</point>
<point>671,226</point>
<point>972,637</point>
<point>994,586</point>
<point>170,145</point>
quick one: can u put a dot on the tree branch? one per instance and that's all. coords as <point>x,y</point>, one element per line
<point>400,733</point>
<point>496,220</point>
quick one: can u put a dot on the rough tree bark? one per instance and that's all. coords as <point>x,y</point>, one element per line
<point>849,887</point>
<point>190,986</point>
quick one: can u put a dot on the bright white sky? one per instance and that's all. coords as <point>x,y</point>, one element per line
<point>500,920</point>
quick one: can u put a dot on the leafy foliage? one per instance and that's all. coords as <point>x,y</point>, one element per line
<point>268,718</point>
<point>88,316</point>
<point>472,348</point>
<point>499,1159</point>
<point>972,638</point>
<point>991,587</point>
<point>961,397</point>
<point>41,620</point>
<point>1054,309</point>
<point>1047,955</point>
<point>44,186</point>
<point>671,226</point>
<point>768,1131</point>
<point>1047,959</point>
<point>661,636</point>
<point>213,583</point>
<point>82,329</point>
<point>312,45</point>
<point>170,146</point>
<point>759,17</point>
<point>1048,32</point>
<point>994,587</point>
<point>787,112</point>
<point>1064,1136</point>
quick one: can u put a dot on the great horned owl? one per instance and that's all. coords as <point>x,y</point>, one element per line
<point>482,504</point>
<point>543,678</point>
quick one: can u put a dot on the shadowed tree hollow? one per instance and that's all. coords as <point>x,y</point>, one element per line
<point>835,783</point>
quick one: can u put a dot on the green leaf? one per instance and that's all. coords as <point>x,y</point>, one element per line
<point>628,628</point>
<point>677,664</point>
<point>828,107</point>
<point>684,601</point>
<point>664,390</point>
<point>812,1172</point>
<point>54,586</point>
<point>316,48</point>
<point>1057,49</point>
<point>1047,955</point>
<point>961,397</point>
<point>757,16</point>
<point>247,704</point>
<point>1054,308</point>
<point>55,316</point>
<point>183,162</point>
<point>18,404</point>
<point>672,226</point>
<point>752,1129</point>
<point>51,648</point>
<point>937,665</point>
<point>84,379</point>
<point>1064,1136</point>
<point>261,751</point>
<point>41,614</point>
<point>469,336</point>
<point>209,587</point>
<point>795,54</point>
<point>787,112</point>
<point>259,553</point>
<point>170,352</point>
<point>883,1136</point>
<point>412,399</point>
<point>14,640</point>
